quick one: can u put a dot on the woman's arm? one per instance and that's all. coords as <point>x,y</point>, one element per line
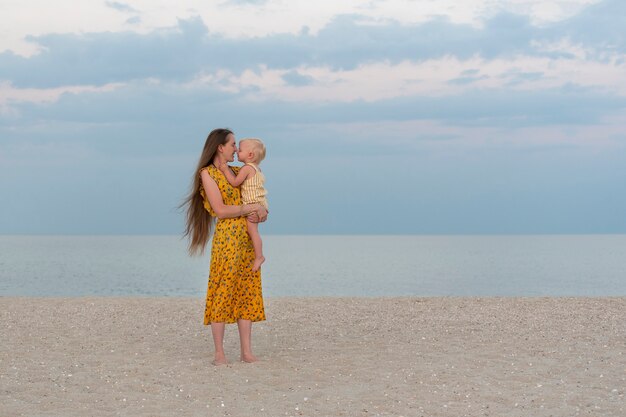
<point>244,173</point>
<point>214,196</point>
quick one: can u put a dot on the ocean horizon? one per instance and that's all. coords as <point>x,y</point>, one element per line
<point>322,265</point>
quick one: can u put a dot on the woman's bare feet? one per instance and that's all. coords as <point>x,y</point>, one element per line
<point>257,263</point>
<point>220,359</point>
<point>249,358</point>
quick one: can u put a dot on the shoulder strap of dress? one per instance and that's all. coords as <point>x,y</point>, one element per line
<point>207,168</point>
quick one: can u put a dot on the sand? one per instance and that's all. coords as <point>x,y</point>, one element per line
<point>320,357</point>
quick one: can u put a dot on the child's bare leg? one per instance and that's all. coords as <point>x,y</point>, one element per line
<point>257,244</point>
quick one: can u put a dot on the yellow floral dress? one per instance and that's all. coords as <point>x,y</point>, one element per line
<point>234,290</point>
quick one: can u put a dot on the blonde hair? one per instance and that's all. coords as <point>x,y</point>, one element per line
<point>258,148</point>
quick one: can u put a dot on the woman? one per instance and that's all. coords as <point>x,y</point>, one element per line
<point>234,291</point>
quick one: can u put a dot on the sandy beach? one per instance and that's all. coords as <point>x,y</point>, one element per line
<point>320,357</point>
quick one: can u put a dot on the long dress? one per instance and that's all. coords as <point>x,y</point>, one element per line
<point>234,290</point>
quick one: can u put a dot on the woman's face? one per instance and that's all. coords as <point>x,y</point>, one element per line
<point>228,149</point>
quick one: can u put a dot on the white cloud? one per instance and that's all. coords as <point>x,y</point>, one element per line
<point>10,94</point>
<point>17,19</point>
<point>20,19</point>
<point>414,135</point>
<point>541,11</point>
<point>436,77</point>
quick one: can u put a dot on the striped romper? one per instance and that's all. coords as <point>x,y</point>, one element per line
<point>253,190</point>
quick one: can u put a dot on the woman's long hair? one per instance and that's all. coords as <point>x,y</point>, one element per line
<point>199,221</point>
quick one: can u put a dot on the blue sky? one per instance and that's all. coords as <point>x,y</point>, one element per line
<point>380,117</point>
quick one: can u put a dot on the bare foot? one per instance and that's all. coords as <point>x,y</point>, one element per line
<point>257,263</point>
<point>220,359</point>
<point>249,358</point>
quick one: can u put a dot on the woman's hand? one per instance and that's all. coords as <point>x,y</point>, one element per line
<point>258,215</point>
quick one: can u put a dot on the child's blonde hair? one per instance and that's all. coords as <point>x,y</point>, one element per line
<point>258,148</point>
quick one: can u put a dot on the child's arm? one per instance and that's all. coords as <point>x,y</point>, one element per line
<point>224,211</point>
<point>244,173</point>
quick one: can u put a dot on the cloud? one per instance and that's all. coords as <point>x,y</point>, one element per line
<point>600,25</point>
<point>296,79</point>
<point>181,53</point>
<point>10,95</point>
<point>101,58</point>
<point>520,77</point>
<point>467,80</point>
<point>246,2</point>
<point>506,118</point>
<point>377,81</point>
<point>133,20</point>
<point>128,110</point>
<point>122,7</point>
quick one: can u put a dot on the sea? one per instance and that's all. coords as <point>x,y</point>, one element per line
<point>312,266</point>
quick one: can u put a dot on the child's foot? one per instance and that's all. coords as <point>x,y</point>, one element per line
<point>249,358</point>
<point>220,360</point>
<point>257,263</point>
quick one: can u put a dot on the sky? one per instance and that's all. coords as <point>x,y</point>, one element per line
<point>379,117</point>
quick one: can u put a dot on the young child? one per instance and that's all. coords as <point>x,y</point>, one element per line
<point>251,153</point>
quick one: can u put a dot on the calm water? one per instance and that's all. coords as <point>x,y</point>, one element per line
<point>589,265</point>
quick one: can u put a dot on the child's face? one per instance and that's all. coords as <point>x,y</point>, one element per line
<point>246,152</point>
